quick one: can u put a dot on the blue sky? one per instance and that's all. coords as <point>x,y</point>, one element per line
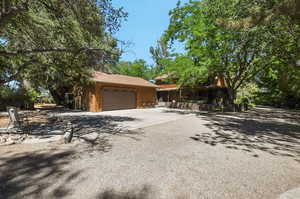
<point>147,21</point>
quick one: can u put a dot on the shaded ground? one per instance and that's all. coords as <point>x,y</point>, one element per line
<point>45,126</point>
<point>209,156</point>
<point>275,131</point>
<point>49,124</point>
<point>33,171</point>
<point>145,192</point>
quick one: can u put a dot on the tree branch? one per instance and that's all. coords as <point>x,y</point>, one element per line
<point>16,74</point>
<point>32,51</point>
<point>10,13</point>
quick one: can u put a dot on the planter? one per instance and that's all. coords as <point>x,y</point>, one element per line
<point>196,107</point>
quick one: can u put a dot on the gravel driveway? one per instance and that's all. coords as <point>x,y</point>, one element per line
<point>187,157</point>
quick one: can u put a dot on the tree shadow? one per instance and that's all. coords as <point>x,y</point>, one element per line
<point>91,130</point>
<point>36,174</point>
<point>272,114</point>
<point>274,131</point>
<point>146,192</point>
<point>82,124</point>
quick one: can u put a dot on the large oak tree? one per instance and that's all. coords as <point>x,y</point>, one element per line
<point>56,43</point>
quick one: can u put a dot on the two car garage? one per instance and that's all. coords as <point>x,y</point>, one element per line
<point>118,99</point>
<point>110,92</point>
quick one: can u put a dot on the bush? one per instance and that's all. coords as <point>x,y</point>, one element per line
<point>247,95</point>
<point>278,99</point>
<point>15,97</point>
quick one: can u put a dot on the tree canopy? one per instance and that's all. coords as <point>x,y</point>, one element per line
<point>239,53</point>
<point>137,68</point>
<point>159,54</point>
<point>56,44</point>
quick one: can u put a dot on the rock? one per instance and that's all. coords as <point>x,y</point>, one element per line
<point>68,133</point>
<point>3,139</point>
<point>7,143</point>
<point>12,138</point>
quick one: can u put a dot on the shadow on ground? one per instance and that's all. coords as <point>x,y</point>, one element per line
<point>82,124</point>
<point>36,175</point>
<point>146,192</point>
<point>274,131</point>
<point>91,129</point>
<point>47,173</point>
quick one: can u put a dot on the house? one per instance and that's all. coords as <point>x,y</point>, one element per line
<point>169,91</point>
<point>109,92</point>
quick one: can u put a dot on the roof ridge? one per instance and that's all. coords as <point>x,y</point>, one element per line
<point>123,79</point>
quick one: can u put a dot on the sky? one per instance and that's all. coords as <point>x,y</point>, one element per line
<point>147,21</point>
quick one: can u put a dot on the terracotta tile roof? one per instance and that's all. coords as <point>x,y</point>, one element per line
<point>121,79</point>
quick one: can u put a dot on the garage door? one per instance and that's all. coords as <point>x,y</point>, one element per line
<point>117,99</point>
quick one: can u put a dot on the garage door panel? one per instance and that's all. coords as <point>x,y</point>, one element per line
<point>118,99</point>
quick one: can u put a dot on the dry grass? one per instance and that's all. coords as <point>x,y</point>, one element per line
<point>3,121</point>
<point>42,106</point>
<point>33,118</point>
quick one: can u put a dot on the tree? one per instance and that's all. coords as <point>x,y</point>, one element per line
<point>55,44</point>
<point>32,20</point>
<point>137,68</point>
<point>281,20</point>
<point>237,54</point>
<point>186,71</point>
<point>280,85</point>
<point>265,12</point>
<point>160,54</point>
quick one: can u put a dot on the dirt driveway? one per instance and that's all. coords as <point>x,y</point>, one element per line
<point>249,155</point>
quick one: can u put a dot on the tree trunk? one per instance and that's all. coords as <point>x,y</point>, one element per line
<point>59,95</point>
<point>231,99</point>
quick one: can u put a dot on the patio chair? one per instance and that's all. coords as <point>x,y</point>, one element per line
<point>21,123</point>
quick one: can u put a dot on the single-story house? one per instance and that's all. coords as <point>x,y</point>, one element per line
<point>169,91</point>
<point>110,92</point>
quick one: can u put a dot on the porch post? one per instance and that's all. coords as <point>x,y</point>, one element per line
<point>180,94</point>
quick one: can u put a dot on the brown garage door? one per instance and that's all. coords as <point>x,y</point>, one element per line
<point>118,99</point>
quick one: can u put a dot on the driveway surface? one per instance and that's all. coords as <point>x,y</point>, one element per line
<point>91,125</point>
<point>136,118</point>
<point>188,156</point>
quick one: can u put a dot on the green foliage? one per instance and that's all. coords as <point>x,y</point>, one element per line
<point>265,12</point>
<point>14,96</point>
<point>55,44</point>
<point>33,94</point>
<point>280,85</point>
<point>214,40</point>
<point>247,94</point>
<point>137,68</point>
<point>159,54</point>
<point>184,68</point>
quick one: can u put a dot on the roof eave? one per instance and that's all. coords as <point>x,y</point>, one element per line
<point>144,86</point>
